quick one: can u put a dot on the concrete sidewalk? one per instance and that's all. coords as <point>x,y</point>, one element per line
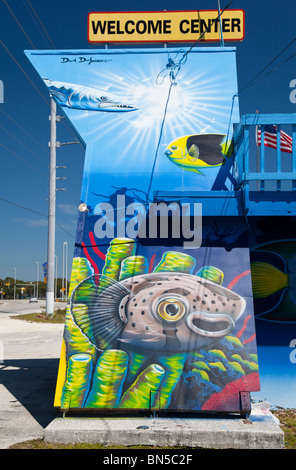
<point>28,372</point>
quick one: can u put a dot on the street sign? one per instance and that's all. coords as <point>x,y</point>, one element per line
<point>165,26</point>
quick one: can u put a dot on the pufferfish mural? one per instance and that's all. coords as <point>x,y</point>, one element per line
<point>133,336</point>
<point>199,151</point>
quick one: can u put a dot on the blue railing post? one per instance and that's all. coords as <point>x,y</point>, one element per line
<point>246,157</point>
<point>274,202</point>
<point>262,152</point>
<point>278,156</point>
<point>294,154</point>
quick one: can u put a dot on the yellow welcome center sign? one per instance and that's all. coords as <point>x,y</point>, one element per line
<point>165,26</point>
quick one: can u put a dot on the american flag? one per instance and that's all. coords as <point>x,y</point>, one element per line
<point>270,139</point>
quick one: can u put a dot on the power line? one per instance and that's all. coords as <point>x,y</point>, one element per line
<point>38,93</point>
<point>159,140</point>
<point>24,130</point>
<point>22,207</point>
<point>27,163</point>
<point>35,212</point>
<point>250,82</point>
<point>204,33</point>
<point>174,69</point>
<point>44,99</point>
<point>20,67</point>
<point>21,159</point>
<point>272,70</point>
<point>278,66</point>
<point>17,140</point>
<point>33,84</point>
<point>41,23</point>
<point>35,21</point>
<point>36,141</point>
<point>11,55</point>
<point>19,24</point>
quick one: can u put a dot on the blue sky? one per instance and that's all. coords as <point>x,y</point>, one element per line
<point>24,123</point>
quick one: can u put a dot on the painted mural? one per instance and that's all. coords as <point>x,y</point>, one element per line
<point>272,272</point>
<point>151,119</point>
<point>159,331</point>
<point>273,256</point>
<point>160,310</point>
<point>159,327</point>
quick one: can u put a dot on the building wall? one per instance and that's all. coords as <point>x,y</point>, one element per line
<point>273,256</point>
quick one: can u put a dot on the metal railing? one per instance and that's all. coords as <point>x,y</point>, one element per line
<point>257,166</point>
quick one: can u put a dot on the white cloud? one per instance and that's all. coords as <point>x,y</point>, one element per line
<point>68,209</point>
<point>31,222</point>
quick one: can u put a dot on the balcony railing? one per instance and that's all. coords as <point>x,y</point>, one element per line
<point>267,176</point>
<point>263,178</point>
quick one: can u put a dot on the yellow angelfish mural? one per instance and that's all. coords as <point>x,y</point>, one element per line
<point>192,152</point>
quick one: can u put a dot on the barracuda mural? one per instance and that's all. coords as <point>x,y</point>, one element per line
<point>160,310</point>
<point>82,97</point>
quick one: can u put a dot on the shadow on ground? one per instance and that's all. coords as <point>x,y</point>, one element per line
<point>32,382</point>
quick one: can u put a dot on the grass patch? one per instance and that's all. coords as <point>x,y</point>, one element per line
<point>287,419</point>
<point>40,317</point>
<point>40,444</point>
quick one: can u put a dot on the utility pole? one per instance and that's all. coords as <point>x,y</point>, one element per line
<point>14,289</point>
<point>65,261</point>
<point>53,144</point>
<point>56,275</point>
<point>51,211</point>
<point>37,277</point>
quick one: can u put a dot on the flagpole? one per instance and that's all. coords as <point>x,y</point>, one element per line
<point>256,136</point>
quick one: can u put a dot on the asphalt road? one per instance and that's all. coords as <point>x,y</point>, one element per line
<point>29,358</point>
